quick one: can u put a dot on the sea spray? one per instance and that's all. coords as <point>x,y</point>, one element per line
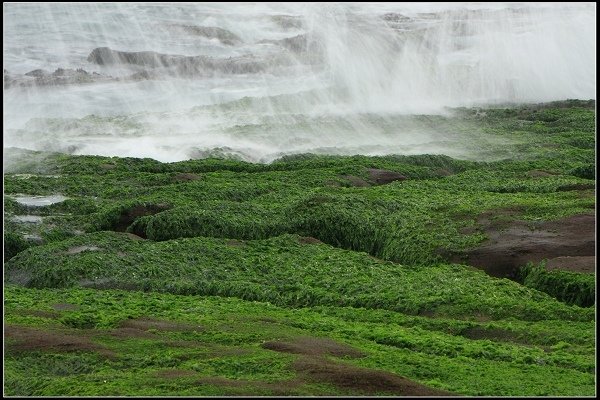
<point>255,82</point>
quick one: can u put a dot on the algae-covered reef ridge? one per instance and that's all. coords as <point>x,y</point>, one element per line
<point>311,275</point>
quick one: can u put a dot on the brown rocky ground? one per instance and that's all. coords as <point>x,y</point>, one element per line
<point>568,243</point>
<point>24,339</point>
<point>586,264</point>
<point>314,366</point>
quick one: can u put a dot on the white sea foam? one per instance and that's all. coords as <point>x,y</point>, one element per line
<point>363,67</point>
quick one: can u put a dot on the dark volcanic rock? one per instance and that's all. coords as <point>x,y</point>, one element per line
<point>395,17</point>
<point>107,56</point>
<point>140,76</point>
<point>224,152</point>
<point>60,77</point>
<point>180,65</point>
<point>296,44</point>
<point>356,181</point>
<point>8,80</point>
<point>383,177</point>
<point>287,21</point>
<point>37,73</point>
<point>211,32</point>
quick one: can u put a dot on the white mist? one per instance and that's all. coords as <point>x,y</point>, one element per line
<point>365,66</point>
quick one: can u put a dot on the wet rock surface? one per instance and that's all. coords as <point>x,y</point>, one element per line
<point>296,44</point>
<point>181,65</point>
<point>59,77</point>
<point>66,77</point>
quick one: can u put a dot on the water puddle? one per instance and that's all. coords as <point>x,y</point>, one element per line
<point>30,219</point>
<point>27,176</point>
<point>40,201</point>
<point>33,238</point>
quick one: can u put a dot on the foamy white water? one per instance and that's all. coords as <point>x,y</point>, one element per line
<point>263,80</point>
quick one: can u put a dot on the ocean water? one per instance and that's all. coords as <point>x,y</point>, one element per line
<point>175,81</point>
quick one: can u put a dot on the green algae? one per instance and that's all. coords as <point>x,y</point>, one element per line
<point>226,335</point>
<point>249,235</point>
